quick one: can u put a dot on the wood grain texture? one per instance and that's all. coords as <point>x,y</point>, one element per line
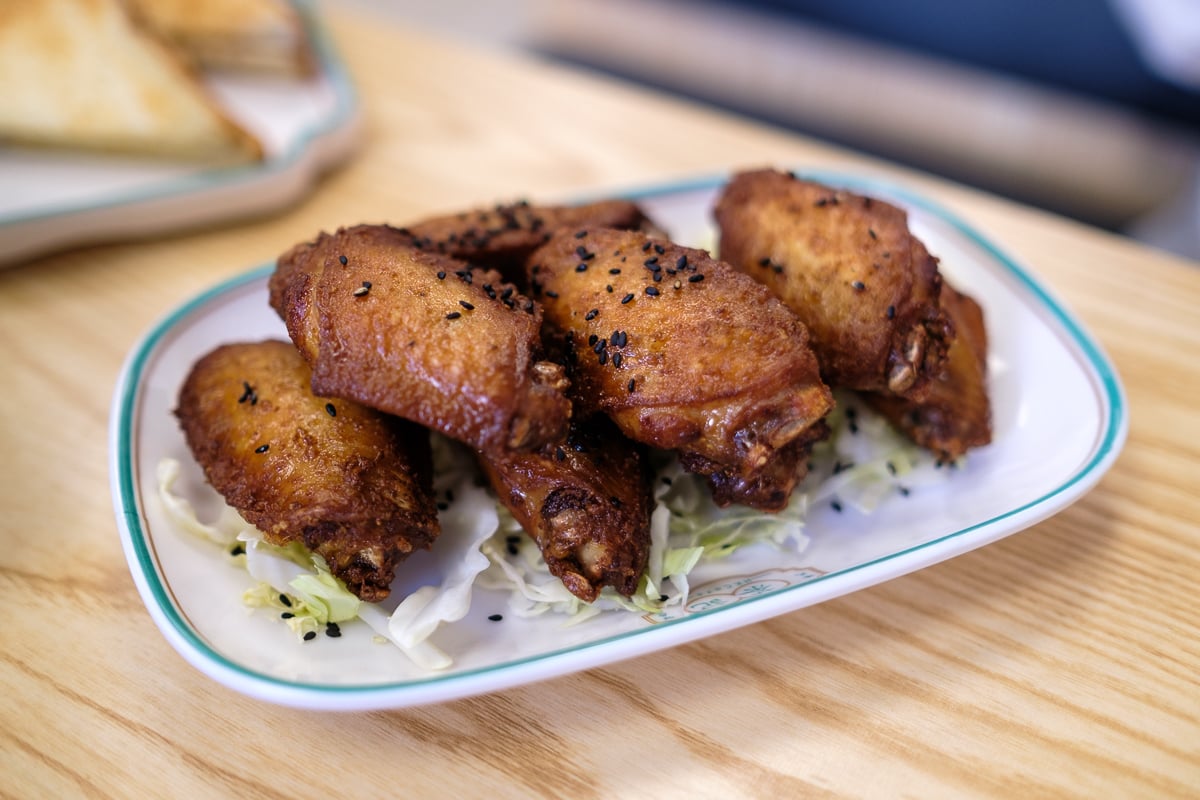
<point>1062,661</point>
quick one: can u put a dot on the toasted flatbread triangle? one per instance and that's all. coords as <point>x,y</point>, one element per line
<point>81,73</point>
<point>260,35</point>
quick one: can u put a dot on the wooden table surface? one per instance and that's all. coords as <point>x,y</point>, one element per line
<point>1063,660</point>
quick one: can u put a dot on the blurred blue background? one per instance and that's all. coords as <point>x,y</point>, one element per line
<point>1087,108</point>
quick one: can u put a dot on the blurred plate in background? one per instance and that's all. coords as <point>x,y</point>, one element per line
<point>54,199</point>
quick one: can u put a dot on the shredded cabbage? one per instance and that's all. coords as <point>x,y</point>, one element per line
<point>481,544</point>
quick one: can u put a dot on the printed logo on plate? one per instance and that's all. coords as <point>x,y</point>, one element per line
<point>735,589</point>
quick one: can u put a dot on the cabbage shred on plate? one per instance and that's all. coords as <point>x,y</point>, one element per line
<point>863,463</point>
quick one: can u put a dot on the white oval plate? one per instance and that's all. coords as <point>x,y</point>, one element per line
<point>55,199</point>
<point>1060,421</point>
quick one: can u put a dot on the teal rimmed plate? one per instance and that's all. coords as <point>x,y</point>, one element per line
<point>55,199</point>
<point>1060,421</point>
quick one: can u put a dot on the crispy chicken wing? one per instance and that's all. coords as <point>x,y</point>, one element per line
<point>586,503</point>
<point>685,353</point>
<point>957,414</point>
<point>353,485</point>
<point>503,237</point>
<point>849,267</point>
<point>422,336</point>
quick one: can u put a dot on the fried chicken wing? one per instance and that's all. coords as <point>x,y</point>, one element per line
<point>353,485</point>
<point>865,287</point>
<point>586,503</point>
<point>422,336</point>
<point>957,413</point>
<point>685,353</point>
<point>503,237</point>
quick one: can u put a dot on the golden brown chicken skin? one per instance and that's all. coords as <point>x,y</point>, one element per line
<point>957,415</point>
<point>421,336</point>
<point>586,503</point>
<point>685,353</point>
<point>865,287</point>
<point>354,485</point>
<point>503,237</point>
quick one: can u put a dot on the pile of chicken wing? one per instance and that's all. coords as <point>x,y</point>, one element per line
<point>563,344</point>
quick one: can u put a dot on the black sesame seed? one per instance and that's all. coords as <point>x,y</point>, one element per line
<point>652,291</point>
<point>343,259</point>
<point>658,248</point>
<point>871,233</point>
<point>454,315</point>
<point>237,550</point>
<point>631,385</point>
<point>333,630</point>
<point>330,409</point>
<point>695,278</point>
<point>626,298</point>
<point>286,615</point>
<point>646,246</point>
<point>662,598</point>
<point>560,454</point>
<point>608,288</point>
<point>592,340</point>
<point>764,262</point>
<point>602,357</point>
<point>681,262</point>
<point>441,276</point>
<point>262,448</point>
<point>858,286</point>
<point>836,506</point>
<point>248,394</point>
<point>552,294</point>
<point>615,271</point>
<point>616,359</point>
<point>904,491</point>
<point>584,254</point>
<point>496,617</point>
<point>891,312</point>
<point>466,305</point>
<point>287,601</point>
<point>652,263</point>
<point>599,345</point>
<point>308,637</point>
<point>591,315</point>
<point>580,234</point>
<point>581,266</point>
